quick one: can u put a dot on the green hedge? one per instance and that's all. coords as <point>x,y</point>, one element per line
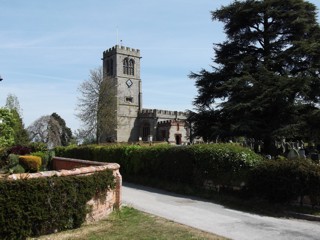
<point>224,164</point>
<point>33,207</point>
<point>282,181</point>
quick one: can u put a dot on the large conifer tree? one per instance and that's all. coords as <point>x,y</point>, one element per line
<point>265,81</point>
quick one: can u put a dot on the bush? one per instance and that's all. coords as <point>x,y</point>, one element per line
<point>30,163</point>
<point>19,150</point>
<point>38,147</point>
<point>12,165</point>
<point>33,207</point>
<point>45,159</point>
<point>224,164</point>
<point>17,169</point>
<point>12,160</point>
<point>285,180</point>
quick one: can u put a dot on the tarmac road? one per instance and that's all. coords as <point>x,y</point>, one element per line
<point>216,218</point>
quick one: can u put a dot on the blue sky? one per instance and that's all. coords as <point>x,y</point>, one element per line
<point>47,49</point>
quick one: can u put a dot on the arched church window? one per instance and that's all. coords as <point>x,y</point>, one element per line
<point>128,66</point>
<point>125,66</point>
<point>131,67</point>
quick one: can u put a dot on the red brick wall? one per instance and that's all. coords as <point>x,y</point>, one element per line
<point>104,202</point>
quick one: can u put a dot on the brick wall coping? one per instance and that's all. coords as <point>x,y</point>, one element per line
<point>76,171</point>
<point>91,163</point>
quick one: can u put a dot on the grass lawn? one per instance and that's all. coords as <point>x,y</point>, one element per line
<point>130,223</point>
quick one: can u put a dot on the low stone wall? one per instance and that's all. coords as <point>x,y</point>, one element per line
<point>104,202</point>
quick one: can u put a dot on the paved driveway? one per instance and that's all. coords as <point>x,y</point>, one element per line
<point>215,218</point>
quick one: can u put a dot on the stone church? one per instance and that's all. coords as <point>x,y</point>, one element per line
<point>131,122</point>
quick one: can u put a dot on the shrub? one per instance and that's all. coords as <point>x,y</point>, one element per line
<point>17,169</point>
<point>3,152</point>
<point>285,180</point>
<point>30,163</point>
<point>12,165</point>
<point>12,160</point>
<point>224,164</point>
<point>38,147</point>
<point>33,207</point>
<point>45,158</point>
<point>19,150</point>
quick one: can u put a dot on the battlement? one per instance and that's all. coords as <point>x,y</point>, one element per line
<point>165,112</point>
<point>121,49</point>
<point>162,113</point>
<point>171,123</point>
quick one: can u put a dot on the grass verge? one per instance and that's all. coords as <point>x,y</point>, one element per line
<point>130,223</point>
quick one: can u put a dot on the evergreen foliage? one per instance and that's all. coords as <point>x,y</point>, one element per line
<point>65,132</point>
<point>33,207</point>
<point>21,136</point>
<point>224,164</point>
<point>265,81</point>
<point>51,130</point>
<point>9,158</point>
<point>20,133</point>
<point>281,181</point>
<point>30,163</point>
<point>7,124</point>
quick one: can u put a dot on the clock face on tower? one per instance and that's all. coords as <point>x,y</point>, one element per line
<point>129,83</point>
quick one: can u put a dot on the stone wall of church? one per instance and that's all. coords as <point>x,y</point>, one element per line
<point>123,52</point>
<point>163,115</point>
<point>164,125</point>
<point>128,94</point>
<point>173,131</point>
<point>132,122</point>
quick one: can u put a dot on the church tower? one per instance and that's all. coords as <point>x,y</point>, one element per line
<point>121,70</point>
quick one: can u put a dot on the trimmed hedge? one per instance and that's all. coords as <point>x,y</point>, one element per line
<point>224,164</point>
<point>228,165</point>
<point>281,181</point>
<point>33,207</point>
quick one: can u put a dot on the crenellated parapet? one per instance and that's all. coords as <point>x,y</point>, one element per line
<point>121,50</point>
<point>158,113</point>
<point>171,123</point>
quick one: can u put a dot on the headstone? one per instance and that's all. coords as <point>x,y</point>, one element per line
<point>293,154</point>
<point>302,153</point>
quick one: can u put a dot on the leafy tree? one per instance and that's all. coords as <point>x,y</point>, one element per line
<point>20,133</point>
<point>97,94</point>
<point>12,103</point>
<point>51,130</point>
<point>83,137</point>
<point>7,123</point>
<point>66,133</point>
<point>265,82</point>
